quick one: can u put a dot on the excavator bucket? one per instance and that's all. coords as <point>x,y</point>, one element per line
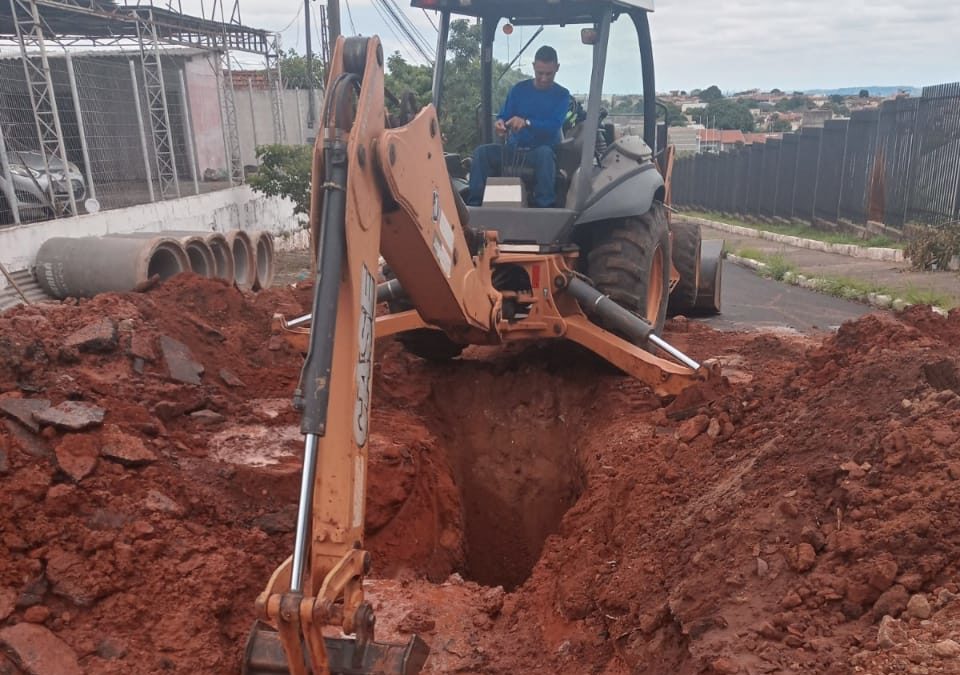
<point>345,656</point>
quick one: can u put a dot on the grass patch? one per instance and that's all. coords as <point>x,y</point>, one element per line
<point>802,231</point>
<point>848,288</point>
<point>777,266</point>
<point>751,253</point>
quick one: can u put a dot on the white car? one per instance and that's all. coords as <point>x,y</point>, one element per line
<point>31,181</point>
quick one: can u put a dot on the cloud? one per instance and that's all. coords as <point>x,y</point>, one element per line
<point>791,44</point>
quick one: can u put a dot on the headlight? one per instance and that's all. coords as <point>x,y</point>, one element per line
<point>73,168</point>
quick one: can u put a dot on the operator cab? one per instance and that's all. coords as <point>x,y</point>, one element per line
<point>583,32</point>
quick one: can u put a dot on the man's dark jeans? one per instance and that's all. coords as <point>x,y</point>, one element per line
<point>489,160</point>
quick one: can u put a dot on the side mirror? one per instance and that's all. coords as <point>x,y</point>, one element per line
<point>588,36</point>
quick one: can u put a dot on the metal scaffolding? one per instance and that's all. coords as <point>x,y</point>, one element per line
<point>275,78</point>
<point>30,35</point>
<point>157,109</point>
<point>34,25</point>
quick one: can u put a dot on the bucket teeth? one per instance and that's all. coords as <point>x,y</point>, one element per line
<point>265,656</point>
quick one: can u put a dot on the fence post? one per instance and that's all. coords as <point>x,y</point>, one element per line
<point>253,115</point>
<point>143,135</point>
<point>8,183</point>
<point>299,118</point>
<point>191,141</point>
<point>71,76</point>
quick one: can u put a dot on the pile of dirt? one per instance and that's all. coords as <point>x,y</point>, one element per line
<point>530,509</point>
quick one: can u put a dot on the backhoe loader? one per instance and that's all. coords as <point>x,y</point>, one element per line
<point>469,276</point>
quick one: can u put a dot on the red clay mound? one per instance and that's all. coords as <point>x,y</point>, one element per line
<point>767,528</point>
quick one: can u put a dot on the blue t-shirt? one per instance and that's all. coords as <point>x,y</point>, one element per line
<point>545,108</point>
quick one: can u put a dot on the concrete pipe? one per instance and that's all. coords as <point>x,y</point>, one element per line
<point>222,255</point>
<point>199,253</point>
<point>244,262</point>
<point>263,253</point>
<point>201,256</point>
<point>85,266</point>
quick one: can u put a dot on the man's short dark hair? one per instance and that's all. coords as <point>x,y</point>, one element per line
<point>546,54</point>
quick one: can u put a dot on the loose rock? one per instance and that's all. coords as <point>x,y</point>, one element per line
<point>124,448</point>
<point>38,651</point>
<point>23,409</point>
<point>918,607</point>
<point>71,416</point>
<point>947,649</point>
<point>180,364</point>
<point>98,336</point>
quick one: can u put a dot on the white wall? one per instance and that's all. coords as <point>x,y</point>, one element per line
<point>257,128</point>
<point>234,208</point>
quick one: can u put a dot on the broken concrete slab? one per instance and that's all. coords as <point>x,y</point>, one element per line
<point>180,364</point>
<point>124,448</point>
<point>8,599</point>
<point>29,443</point>
<point>230,379</point>
<point>141,347</point>
<point>97,337</point>
<point>23,409</point>
<point>77,455</point>
<point>72,416</point>
<point>157,501</point>
<point>207,417</point>
<point>38,651</point>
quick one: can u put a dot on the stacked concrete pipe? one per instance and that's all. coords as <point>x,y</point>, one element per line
<point>199,253</point>
<point>244,261</point>
<point>222,255</point>
<point>263,253</point>
<point>84,266</point>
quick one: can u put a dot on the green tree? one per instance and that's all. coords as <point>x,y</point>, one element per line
<point>725,114</point>
<point>460,109</point>
<point>864,93</point>
<point>795,102</point>
<point>674,113</point>
<point>711,93</point>
<point>285,172</point>
<point>837,98</point>
<point>293,69</point>
<point>776,123</point>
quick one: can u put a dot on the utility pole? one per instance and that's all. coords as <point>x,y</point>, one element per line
<point>311,111</point>
<point>333,22</point>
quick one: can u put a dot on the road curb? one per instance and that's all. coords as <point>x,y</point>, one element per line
<point>878,300</point>
<point>849,250</point>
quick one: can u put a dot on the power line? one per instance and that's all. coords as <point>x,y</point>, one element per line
<point>404,44</point>
<point>353,28</point>
<point>412,35</point>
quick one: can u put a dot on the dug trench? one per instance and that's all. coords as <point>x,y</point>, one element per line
<point>528,509</point>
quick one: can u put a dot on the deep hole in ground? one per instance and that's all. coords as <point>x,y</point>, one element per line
<point>511,440</point>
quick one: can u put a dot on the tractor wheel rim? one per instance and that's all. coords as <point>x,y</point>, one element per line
<point>655,286</point>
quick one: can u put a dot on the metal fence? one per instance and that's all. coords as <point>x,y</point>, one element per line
<point>897,164</point>
<point>104,112</point>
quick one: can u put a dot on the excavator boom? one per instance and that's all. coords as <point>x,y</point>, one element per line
<point>387,191</point>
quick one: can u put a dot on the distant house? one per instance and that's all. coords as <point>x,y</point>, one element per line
<point>750,139</point>
<point>816,118</point>
<point>720,140</point>
<point>686,140</point>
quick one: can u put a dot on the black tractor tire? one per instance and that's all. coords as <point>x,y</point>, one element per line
<point>630,263</point>
<point>686,258</point>
<point>427,343</point>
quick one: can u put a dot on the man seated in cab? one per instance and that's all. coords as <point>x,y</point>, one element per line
<point>532,118</point>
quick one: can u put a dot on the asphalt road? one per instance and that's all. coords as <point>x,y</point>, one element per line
<point>750,302</point>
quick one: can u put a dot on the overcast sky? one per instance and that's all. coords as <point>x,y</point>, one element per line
<point>790,44</point>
